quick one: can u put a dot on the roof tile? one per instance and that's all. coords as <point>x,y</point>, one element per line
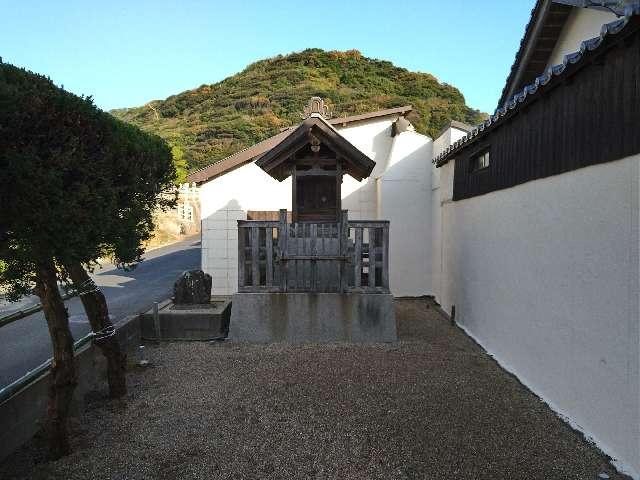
<point>588,45</point>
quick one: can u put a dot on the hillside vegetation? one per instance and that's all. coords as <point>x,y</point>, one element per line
<point>214,121</point>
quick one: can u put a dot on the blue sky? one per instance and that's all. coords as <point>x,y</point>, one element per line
<point>126,53</point>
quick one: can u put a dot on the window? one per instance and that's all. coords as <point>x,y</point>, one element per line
<point>480,161</point>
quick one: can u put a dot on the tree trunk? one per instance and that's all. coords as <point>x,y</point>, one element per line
<point>63,368</point>
<point>95,305</point>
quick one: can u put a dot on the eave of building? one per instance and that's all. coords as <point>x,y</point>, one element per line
<point>355,163</point>
<point>343,121</point>
<point>254,152</point>
<point>551,77</point>
<point>540,37</point>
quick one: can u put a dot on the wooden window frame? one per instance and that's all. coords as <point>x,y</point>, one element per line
<point>481,152</point>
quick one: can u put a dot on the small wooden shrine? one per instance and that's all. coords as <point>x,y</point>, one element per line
<point>316,156</point>
<point>319,252</point>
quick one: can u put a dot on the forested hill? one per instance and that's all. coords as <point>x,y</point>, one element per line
<point>214,121</point>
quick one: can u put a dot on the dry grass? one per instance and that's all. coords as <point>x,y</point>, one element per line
<point>434,405</point>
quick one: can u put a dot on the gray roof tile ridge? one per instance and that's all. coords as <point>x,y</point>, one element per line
<point>239,152</point>
<point>591,44</point>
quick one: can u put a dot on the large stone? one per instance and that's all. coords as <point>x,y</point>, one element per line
<point>192,287</point>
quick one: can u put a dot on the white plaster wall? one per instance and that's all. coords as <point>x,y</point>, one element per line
<point>443,141</point>
<point>448,137</point>
<point>439,145</point>
<point>224,201</point>
<point>373,138</point>
<point>359,198</point>
<point>545,276</point>
<point>582,24</point>
<point>404,191</point>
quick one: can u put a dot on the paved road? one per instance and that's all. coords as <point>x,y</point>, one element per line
<point>25,344</point>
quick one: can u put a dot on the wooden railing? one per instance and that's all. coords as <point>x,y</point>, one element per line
<point>344,256</point>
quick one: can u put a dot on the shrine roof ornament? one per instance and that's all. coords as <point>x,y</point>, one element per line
<point>316,105</point>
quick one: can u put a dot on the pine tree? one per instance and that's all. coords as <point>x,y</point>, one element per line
<point>75,185</point>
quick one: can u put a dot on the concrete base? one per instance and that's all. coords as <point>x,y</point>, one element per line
<point>312,317</point>
<point>199,322</point>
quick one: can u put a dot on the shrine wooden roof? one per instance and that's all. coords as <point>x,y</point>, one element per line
<point>277,161</point>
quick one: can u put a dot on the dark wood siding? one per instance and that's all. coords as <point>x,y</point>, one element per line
<point>591,116</point>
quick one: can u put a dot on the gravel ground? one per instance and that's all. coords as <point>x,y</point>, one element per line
<point>432,406</point>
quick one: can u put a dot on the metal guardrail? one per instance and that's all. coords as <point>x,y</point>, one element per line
<point>19,314</point>
<point>12,317</point>
<point>16,385</point>
<point>9,390</point>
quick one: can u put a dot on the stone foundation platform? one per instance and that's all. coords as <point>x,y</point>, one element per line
<point>312,318</point>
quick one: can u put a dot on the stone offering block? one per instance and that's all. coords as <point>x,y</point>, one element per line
<point>192,287</point>
<point>182,322</point>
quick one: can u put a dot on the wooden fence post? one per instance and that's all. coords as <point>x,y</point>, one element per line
<point>283,234</point>
<point>344,234</point>
<point>255,256</point>
<point>313,251</point>
<point>269,256</point>
<point>242,244</point>
<point>385,257</point>
<point>357,253</point>
<point>373,236</point>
